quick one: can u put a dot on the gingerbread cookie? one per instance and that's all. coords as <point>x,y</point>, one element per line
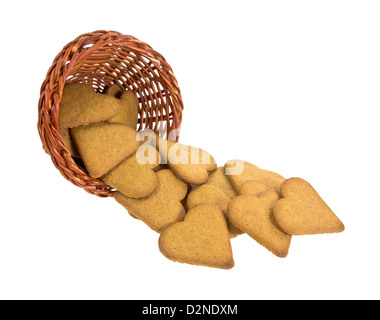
<point>254,216</point>
<point>135,177</point>
<point>221,181</point>
<point>201,239</point>
<point>115,91</point>
<point>104,146</point>
<point>163,206</point>
<point>129,106</point>
<point>254,188</point>
<point>66,137</point>
<point>81,105</point>
<point>302,210</point>
<point>251,172</point>
<point>190,164</point>
<point>210,194</point>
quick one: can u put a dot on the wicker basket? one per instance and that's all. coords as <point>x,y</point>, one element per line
<point>100,59</point>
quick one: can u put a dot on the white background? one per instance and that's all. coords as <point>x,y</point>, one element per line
<point>291,86</point>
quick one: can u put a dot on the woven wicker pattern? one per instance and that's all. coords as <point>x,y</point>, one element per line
<point>100,59</point>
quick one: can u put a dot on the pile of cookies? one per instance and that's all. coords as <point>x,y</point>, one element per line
<point>178,191</point>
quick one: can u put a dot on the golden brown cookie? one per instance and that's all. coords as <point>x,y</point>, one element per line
<point>163,206</point>
<point>190,164</point>
<point>254,188</point>
<point>302,210</point>
<point>251,172</point>
<point>135,177</point>
<point>254,216</point>
<point>66,137</point>
<point>129,106</point>
<point>81,105</point>
<point>115,91</point>
<point>221,181</point>
<point>104,146</point>
<point>210,194</point>
<point>201,239</point>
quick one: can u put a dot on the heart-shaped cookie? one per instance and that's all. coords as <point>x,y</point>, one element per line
<point>254,188</point>
<point>115,91</point>
<point>251,172</point>
<point>129,106</point>
<point>103,146</point>
<point>81,105</point>
<point>302,210</point>
<point>210,194</point>
<point>68,141</point>
<point>201,239</point>
<point>221,181</point>
<point>254,216</point>
<point>135,177</point>
<point>190,164</point>
<point>163,206</point>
